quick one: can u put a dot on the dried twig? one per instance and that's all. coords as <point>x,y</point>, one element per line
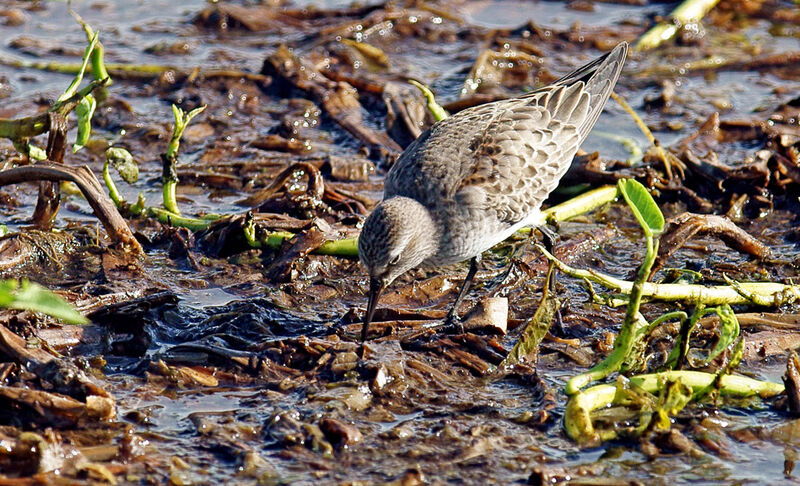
<point>685,226</point>
<point>105,210</point>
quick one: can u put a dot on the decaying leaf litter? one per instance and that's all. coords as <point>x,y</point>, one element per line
<point>294,140</point>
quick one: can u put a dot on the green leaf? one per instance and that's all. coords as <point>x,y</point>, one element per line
<point>194,113</point>
<point>527,347</point>
<point>34,297</point>
<point>181,121</point>
<point>643,206</point>
<point>36,153</point>
<point>79,77</point>
<point>728,331</point>
<point>177,112</point>
<point>85,111</point>
<point>673,399</point>
<point>29,149</point>
<point>122,160</point>
<point>7,288</point>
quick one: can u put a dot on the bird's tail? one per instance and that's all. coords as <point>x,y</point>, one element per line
<point>598,78</point>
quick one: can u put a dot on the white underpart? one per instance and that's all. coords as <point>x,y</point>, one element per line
<point>470,247</point>
<point>534,219</point>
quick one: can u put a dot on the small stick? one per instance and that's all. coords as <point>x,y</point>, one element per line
<point>105,210</point>
<point>49,199</point>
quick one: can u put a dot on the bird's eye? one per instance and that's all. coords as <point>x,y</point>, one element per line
<point>394,260</point>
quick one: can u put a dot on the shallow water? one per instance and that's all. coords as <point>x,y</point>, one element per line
<point>547,14</point>
<point>458,427</point>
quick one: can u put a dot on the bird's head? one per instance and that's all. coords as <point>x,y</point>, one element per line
<point>398,236</point>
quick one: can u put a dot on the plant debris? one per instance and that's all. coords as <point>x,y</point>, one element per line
<point>206,223</point>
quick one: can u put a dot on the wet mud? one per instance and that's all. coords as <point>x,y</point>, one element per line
<point>213,359</point>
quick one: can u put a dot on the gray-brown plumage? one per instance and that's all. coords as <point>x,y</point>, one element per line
<point>476,177</point>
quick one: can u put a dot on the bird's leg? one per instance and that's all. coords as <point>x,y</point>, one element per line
<point>549,237</point>
<point>452,316</point>
<point>557,326</point>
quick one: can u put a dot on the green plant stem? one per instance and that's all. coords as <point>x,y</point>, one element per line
<point>99,70</point>
<point>347,247</point>
<point>139,207</point>
<point>577,414</point>
<point>732,385</point>
<point>687,12</point>
<point>760,293</point>
<point>168,217</point>
<point>148,70</point>
<point>169,174</point>
<point>169,193</point>
<point>273,240</point>
<point>113,193</point>
<point>628,334</point>
<point>578,422</point>
<point>134,71</point>
<point>22,128</point>
<point>79,76</point>
<point>588,201</point>
<point>578,205</point>
<point>434,107</point>
<point>681,343</point>
<point>680,315</point>
<point>634,326</point>
<point>116,197</point>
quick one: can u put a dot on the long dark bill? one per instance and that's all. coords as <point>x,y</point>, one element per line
<point>375,289</point>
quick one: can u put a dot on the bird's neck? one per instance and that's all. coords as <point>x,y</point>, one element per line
<point>430,229</point>
<point>425,229</point>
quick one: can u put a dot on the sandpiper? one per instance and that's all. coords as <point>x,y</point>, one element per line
<point>475,178</point>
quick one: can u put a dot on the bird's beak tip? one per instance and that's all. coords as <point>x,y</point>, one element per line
<point>376,286</point>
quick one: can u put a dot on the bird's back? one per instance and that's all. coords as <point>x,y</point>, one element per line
<point>505,157</point>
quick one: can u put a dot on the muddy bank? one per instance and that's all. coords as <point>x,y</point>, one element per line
<point>208,358</point>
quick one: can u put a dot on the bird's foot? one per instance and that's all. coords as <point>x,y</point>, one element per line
<point>452,324</point>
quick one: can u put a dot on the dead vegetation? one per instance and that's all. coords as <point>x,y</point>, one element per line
<point>224,339</point>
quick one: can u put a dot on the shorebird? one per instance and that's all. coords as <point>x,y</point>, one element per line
<point>474,178</point>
